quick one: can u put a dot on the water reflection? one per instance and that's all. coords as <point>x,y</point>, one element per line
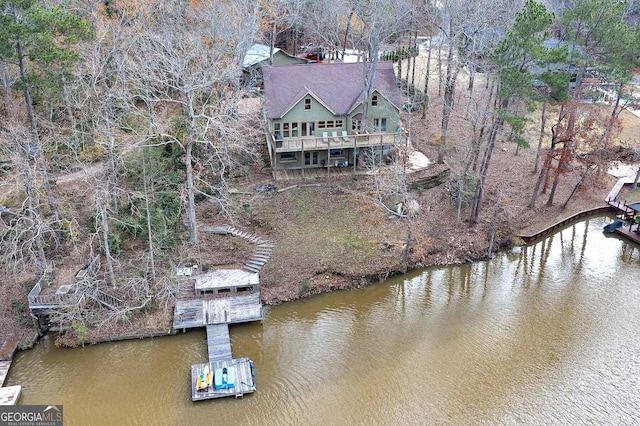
<point>544,334</point>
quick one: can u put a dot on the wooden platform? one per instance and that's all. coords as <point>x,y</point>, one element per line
<point>244,379</point>
<point>4,370</point>
<point>630,233</point>
<point>9,395</point>
<point>218,342</point>
<point>224,310</point>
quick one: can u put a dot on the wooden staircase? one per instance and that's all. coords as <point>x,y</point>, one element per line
<point>263,248</point>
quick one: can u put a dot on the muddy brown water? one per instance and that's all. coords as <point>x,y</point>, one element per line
<point>544,335</point>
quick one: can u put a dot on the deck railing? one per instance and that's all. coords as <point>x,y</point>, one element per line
<point>73,297</point>
<point>314,143</point>
<point>54,299</point>
<point>108,300</point>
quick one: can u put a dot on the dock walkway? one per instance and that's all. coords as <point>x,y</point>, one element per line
<point>218,342</point>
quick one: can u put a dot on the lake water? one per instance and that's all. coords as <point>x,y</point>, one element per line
<point>543,335</point>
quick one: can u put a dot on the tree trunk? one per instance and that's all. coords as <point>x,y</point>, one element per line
<point>399,50</point>
<point>425,101</point>
<point>416,52</point>
<point>105,241</point>
<point>542,126</point>
<point>440,78</point>
<point>541,177</point>
<point>191,207</point>
<point>152,265</point>
<point>36,150</point>
<point>346,33</point>
<point>112,166</point>
<point>484,168</point>
<point>405,255</point>
<point>32,202</point>
<point>575,189</point>
<point>450,87</point>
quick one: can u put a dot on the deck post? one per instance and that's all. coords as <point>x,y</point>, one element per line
<point>328,157</point>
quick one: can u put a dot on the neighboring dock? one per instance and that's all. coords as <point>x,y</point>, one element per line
<point>214,300</point>
<point>9,395</point>
<point>626,212</point>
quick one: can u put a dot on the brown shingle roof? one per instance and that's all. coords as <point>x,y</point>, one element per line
<point>337,85</point>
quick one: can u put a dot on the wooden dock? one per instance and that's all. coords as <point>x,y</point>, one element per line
<point>9,395</point>
<point>218,342</point>
<point>630,232</point>
<point>225,310</point>
<point>220,298</point>
<point>4,370</point>
<point>244,384</point>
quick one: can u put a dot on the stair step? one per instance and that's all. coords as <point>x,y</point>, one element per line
<point>256,264</point>
<point>266,246</point>
<point>260,257</point>
<point>251,269</point>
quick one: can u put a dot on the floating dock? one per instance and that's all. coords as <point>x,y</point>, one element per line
<point>243,373</point>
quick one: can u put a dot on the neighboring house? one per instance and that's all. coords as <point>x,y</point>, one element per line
<point>259,56</point>
<point>478,40</point>
<point>315,117</point>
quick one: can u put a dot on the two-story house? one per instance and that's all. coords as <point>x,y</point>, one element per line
<point>315,115</point>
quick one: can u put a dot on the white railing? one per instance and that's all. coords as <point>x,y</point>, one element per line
<point>314,143</point>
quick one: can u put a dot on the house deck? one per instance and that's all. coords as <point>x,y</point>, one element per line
<point>338,142</point>
<point>243,368</point>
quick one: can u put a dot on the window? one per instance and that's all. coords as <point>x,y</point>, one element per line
<point>288,156</point>
<point>294,130</point>
<point>379,124</point>
<point>276,132</point>
<point>374,100</point>
<point>307,104</point>
<point>285,130</point>
<point>356,125</point>
<point>329,124</point>
<point>335,153</point>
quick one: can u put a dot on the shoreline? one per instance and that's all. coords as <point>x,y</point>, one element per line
<point>336,282</point>
<point>353,283</point>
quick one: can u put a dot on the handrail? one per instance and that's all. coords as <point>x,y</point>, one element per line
<point>567,221</point>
